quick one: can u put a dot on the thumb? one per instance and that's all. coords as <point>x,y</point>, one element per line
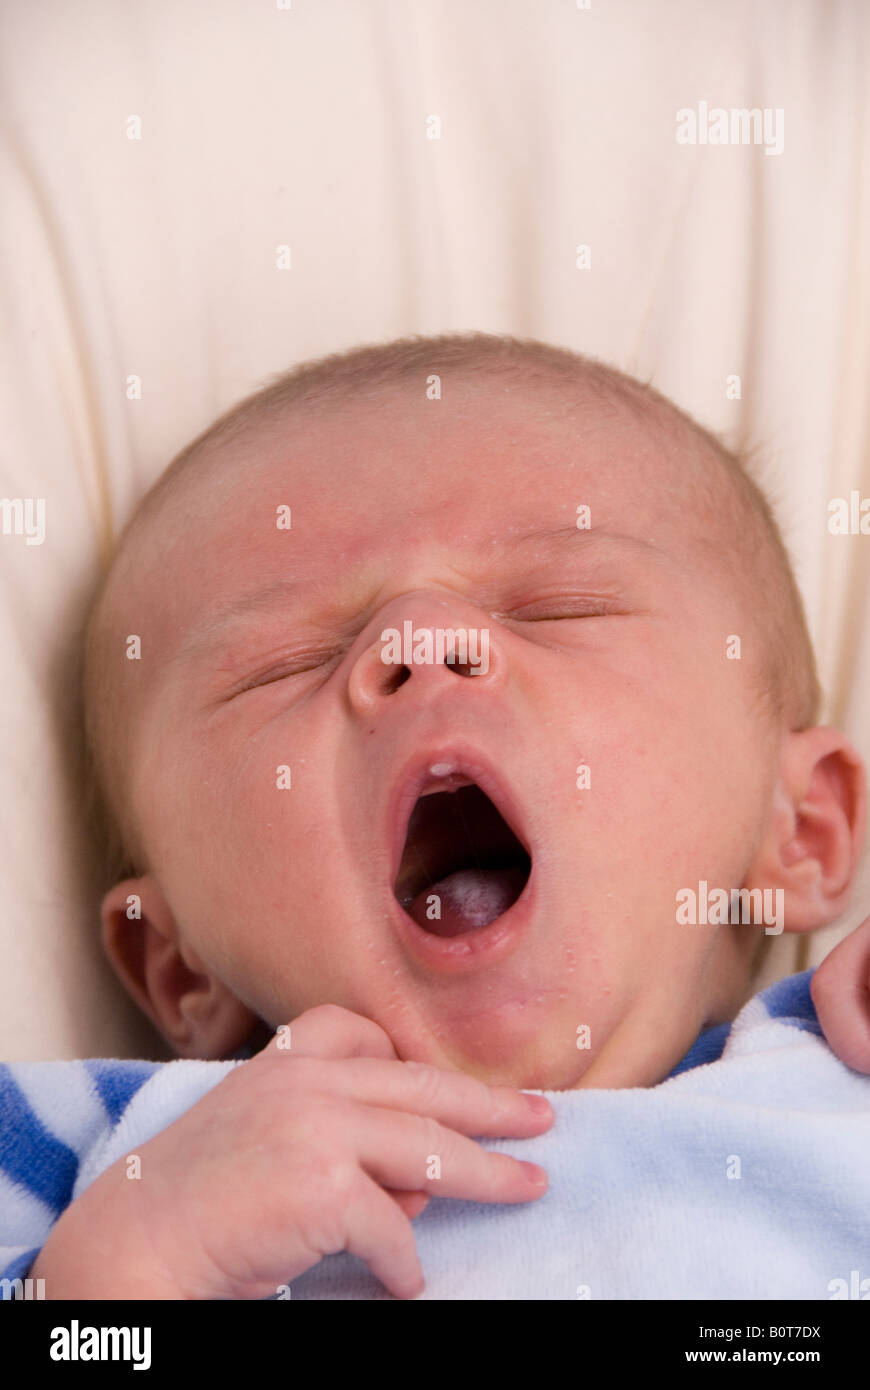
<point>331,1032</point>
<point>412,1203</point>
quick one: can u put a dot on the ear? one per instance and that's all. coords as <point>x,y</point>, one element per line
<point>192,1008</point>
<point>815,834</point>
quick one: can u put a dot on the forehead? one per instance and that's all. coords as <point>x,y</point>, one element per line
<point>379,485</point>
<point>490,450</point>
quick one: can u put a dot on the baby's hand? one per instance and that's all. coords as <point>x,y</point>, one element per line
<point>840,989</point>
<point>333,1144</point>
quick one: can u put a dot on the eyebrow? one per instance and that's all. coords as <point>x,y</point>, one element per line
<point>223,614</point>
<point>571,532</point>
<point>283,588</point>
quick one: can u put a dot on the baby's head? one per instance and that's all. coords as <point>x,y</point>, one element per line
<point>288,750</point>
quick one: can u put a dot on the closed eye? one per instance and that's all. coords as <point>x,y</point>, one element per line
<point>560,612</point>
<point>298,667</point>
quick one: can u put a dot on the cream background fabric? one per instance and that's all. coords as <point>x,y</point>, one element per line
<point>307,126</point>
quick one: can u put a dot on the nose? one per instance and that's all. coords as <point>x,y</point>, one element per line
<point>422,646</point>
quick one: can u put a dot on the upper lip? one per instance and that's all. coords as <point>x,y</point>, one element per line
<point>470,767</point>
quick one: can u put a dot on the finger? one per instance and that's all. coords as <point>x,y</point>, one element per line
<point>379,1233</point>
<point>840,989</point>
<point>330,1031</point>
<point>458,1101</point>
<point>408,1153</point>
<point>411,1203</point>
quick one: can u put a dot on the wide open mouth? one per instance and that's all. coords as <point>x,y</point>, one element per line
<point>462,866</point>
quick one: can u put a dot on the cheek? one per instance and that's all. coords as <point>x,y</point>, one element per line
<point>268,823</point>
<point>676,772</point>
<point>212,806</point>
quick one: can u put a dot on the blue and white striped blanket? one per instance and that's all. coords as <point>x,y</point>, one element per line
<point>746,1174</point>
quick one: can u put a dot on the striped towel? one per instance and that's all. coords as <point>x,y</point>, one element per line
<point>745,1174</point>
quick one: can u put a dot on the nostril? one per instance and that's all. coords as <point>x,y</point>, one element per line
<point>396,678</point>
<point>460,668</point>
<point>400,674</point>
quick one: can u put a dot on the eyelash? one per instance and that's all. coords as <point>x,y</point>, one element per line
<point>555,617</point>
<point>279,673</point>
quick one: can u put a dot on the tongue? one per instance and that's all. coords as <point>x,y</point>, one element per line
<point>469,898</point>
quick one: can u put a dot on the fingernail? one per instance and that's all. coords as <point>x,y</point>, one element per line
<point>536,1176</point>
<point>538,1105</point>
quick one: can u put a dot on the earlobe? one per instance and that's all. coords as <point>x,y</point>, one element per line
<point>190,1006</point>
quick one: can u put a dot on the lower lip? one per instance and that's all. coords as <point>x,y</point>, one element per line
<point>484,946</point>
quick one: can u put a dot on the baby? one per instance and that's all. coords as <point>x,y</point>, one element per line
<point>422,686</point>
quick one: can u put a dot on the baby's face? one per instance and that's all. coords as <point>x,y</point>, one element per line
<point>262,651</point>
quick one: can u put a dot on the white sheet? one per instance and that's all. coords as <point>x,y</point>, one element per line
<point>306,126</point>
